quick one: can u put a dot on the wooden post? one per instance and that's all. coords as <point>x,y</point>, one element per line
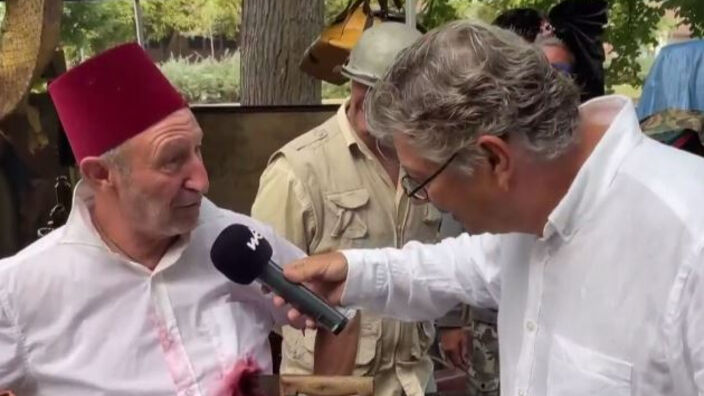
<point>411,13</point>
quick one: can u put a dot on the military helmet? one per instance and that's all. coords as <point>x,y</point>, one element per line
<point>376,51</point>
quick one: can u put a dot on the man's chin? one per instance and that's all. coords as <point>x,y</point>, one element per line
<point>183,224</point>
<point>178,230</point>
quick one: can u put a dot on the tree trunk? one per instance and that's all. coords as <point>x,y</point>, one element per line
<point>275,34</point>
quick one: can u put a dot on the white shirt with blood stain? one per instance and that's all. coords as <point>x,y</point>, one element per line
<point>78,319</point>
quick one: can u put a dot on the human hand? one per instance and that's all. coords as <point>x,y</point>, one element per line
<point>324,274</point>
<point>454,344</point>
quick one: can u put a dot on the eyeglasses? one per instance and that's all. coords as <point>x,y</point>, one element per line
<point>563,67</point>
<point>416,190</point>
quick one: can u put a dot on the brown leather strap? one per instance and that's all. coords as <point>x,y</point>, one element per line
<point>337,354</point>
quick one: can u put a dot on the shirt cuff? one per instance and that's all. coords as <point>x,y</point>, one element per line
<point>353,291</point>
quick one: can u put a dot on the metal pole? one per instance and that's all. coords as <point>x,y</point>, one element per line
<point>411,13</point>
<point>138,23</point>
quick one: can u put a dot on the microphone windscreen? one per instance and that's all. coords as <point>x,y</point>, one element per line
<point>240,253</point>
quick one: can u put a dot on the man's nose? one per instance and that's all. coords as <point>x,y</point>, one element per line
<point>197,179</point>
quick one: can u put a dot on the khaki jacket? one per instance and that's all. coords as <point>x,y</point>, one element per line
<point>326,191</point>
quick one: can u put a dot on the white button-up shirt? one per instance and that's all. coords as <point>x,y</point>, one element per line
<point>77,319</point>
<point>609,301</point>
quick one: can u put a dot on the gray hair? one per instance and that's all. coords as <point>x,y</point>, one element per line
<point>466,79</point>
<point>116,158</point>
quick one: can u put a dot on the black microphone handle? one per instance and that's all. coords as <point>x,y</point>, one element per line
<point>303,298</point>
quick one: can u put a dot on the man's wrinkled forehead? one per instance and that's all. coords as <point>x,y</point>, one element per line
<point>179,125</point>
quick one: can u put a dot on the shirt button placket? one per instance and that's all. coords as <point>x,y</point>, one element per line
<point>531,326</point>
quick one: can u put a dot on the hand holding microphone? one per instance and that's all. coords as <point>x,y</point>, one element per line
<point>243,255</point>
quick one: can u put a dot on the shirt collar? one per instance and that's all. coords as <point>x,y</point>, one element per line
<point>351,138</point>
<point>601,167</point>
<point>79,227</point>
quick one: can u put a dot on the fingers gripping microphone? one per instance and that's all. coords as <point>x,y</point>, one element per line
<point>243,255</point>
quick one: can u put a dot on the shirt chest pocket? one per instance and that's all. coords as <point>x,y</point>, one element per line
<point>343,217</point>
<point>300,348</point>
<point>369,345</point>
<point>575,370</point>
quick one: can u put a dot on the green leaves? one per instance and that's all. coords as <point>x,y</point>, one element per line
<point>89,27</point>
<point>632,27</point>
<point>92,26</point>
<point>192,17</point>
<point>692,11</point>
<point>635,27</point>
<point>205,80</point>
<point>631,36</point>
<point>438,12</point>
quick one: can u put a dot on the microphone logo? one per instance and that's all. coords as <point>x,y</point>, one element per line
<point>254,240</point>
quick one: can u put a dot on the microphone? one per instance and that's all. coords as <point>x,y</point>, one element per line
<point>243,255</point>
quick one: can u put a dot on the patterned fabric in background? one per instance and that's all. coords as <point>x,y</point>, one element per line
<point>683,129</point>
<point>483,371</point>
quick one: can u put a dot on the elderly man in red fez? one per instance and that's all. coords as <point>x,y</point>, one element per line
<point>123,299</point>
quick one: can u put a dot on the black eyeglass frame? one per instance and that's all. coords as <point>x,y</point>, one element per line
<point>416,191</point>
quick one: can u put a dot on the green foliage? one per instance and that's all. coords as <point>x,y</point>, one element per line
<point>333,8</point>
<point>2,11</point>
<point>438,12</point>
<point>633,26</point>
<point>692,11</point>
<point>191,17</point>
<point>163,17</point>
<point>205,80</point>
<point>225,17</point>
<point>89,27</point>
<point>332,91</point>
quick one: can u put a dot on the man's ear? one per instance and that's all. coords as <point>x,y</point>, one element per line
<point>96,172</point>
<point>499,159</point>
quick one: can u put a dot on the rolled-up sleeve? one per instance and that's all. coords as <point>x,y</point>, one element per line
<point>13,370</point>
<point>423,282</point>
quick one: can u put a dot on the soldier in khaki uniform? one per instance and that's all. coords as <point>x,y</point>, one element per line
<point>336,187</point>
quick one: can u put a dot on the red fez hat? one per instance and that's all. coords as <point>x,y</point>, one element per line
<point>110,98</point>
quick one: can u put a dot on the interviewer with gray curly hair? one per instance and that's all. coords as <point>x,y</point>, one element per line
<point>586,235</point>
